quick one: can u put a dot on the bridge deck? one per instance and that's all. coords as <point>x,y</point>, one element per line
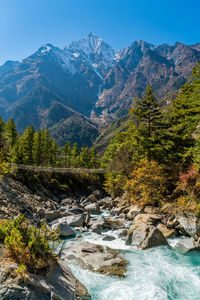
<point>56,169</point>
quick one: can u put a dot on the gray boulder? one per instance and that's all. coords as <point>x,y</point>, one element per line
<point>93,208</point>
<point>185,245</point>
<point>97,258</point>
<point>96,227</point>
<point>108,238</point>
<point>64,229</point>
<point>189,224</point>
<point>75,220</point>
<point>106,202</point>
<point>89,200</point>
<point>133,212</point>
<point>144,234</point>
<point>52,214</point>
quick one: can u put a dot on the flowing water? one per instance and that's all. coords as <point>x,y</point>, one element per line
<point>159,273</point>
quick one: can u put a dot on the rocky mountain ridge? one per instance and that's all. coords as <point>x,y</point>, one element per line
<point>89,82</point>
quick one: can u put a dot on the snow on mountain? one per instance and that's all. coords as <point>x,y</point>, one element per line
<point>94,50</point>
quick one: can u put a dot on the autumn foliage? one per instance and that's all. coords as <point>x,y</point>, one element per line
<point>147,184</point>
<point>30,246</point>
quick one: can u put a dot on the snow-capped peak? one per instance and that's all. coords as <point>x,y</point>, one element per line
<point>93,49</point>
<point>46,48</point>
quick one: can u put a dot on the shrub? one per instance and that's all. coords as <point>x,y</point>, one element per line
<point>189,182</point>
<point>114,183</point>
<point>188,188</point>
<point>147,184</point>
<point>29,246</point>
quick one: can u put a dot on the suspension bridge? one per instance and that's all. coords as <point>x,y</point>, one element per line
<point>57,169</point>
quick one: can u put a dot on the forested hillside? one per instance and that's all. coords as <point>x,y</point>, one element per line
<point>157,158</point>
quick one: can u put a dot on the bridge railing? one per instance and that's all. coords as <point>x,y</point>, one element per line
<point>57,169</point>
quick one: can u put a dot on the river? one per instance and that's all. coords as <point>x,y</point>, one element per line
<point>160,273</point>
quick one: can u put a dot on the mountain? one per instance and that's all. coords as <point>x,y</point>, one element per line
<point>74,89</point>
<point>165,67</point>
<point>53,84</point>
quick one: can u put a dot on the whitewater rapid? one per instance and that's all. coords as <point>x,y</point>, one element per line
<point>160,273</point>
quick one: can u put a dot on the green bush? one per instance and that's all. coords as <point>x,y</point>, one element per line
<point>28,245</point>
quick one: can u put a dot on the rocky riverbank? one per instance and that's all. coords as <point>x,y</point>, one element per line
<point>139,228</point>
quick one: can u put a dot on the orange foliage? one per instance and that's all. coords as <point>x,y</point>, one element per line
<point>147,183</point>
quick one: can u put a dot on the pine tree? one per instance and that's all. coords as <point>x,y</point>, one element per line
<point>147,116</point>
<point>2,125</point>
<point>55,152</point>
<point>10,134</point>
<point>46,144</point>
<point>67,154</point>
<point>37,148</point>
<point>75,156</point>
<point>84,158</point>
<point>27,145</point>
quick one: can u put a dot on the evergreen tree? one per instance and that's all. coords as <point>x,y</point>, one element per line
<point>27,145</point>
<point>146,114</point>
<point>2,124</point>
<point>67,154</point>
<point>75,156</point>
<point>10,133</point>
<point>37,148</point>
<point>55,152</point>
<point>84,158</point>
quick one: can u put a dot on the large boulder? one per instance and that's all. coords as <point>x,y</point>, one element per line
<point>133,212</point>
<point>186,245</point>
<point>113,223</point>
<point>106,202</point>
<point>75,220</point>
<point>64,229</point>
<point>97,258</point>
<point>93,208</point>
<point>168,232</point>
<point>90,199</point>
<point>96,227</point>
<point>52,215</point>
<point>189,224</point>
<point>144,234</point>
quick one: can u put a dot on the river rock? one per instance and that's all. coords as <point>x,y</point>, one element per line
<point>97,258</point>
<point>52,215</point>
<point>98,194</point>
<point>186,244</point>
<point>106,202</point>
<point>113,223</point>
<point>168,233</point>
<point>122,234</point>
<point>144,234</point>
<point>66,202</point>
<point>96,227</point>
<point>89,200</point>
<point>108,238</point>
<point>189,224</point>
<point>133,212</point>
<point>93,208</point>
<point>64,229</point>
<point>75,220</point>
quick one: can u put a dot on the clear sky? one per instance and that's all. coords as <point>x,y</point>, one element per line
<point>27,24</point>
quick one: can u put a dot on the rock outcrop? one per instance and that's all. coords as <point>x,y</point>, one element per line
<point>58,283</point>
<point>95,257</point>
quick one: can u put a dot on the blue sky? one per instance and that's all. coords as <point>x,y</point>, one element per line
<point>27,24</point>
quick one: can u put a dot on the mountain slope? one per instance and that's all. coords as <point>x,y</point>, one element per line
<point>165,67</point>
<point>62,88</point>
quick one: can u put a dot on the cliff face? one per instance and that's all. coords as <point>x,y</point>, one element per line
<point>165,67</point>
